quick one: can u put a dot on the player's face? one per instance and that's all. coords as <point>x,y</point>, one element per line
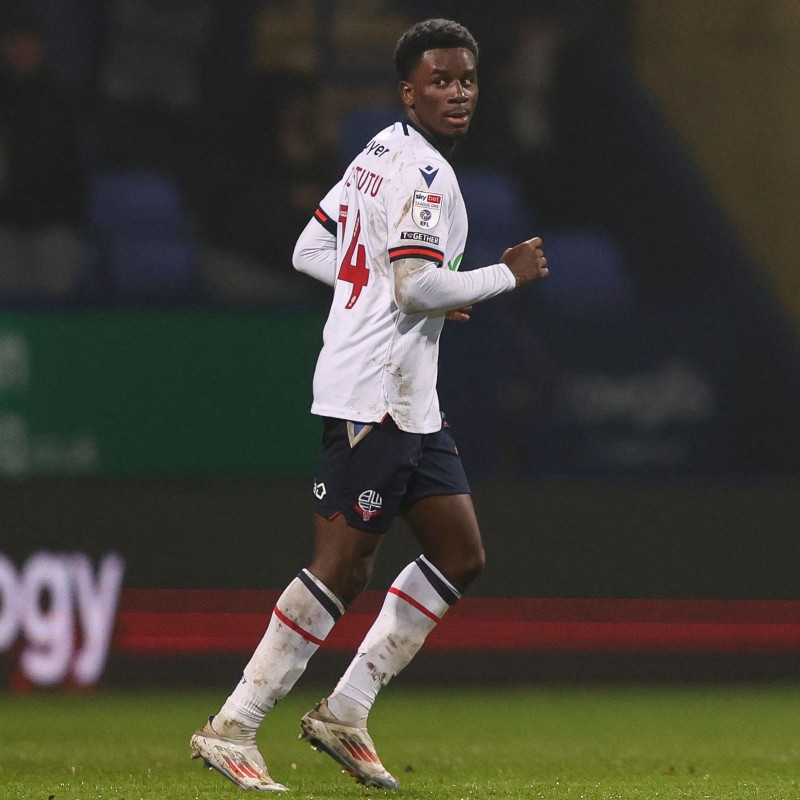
<point>441,94</point>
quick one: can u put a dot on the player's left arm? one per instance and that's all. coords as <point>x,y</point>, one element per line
<point>459,314</point>
<point>315,252</point>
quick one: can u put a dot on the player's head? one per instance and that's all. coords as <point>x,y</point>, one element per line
<point>437,63</point>
<point>430,34</point>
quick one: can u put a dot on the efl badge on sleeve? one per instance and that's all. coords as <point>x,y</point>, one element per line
<point>426,210</point>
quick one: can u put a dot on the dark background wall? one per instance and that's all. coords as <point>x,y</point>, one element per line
<point>544,539</point>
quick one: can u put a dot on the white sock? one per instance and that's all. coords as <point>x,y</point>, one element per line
<point>416,601</point>
<point>301,620</point>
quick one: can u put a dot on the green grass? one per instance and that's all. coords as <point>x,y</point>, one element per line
<point>576,743</point>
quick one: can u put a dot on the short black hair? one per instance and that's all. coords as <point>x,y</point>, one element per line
<point>430,34</point>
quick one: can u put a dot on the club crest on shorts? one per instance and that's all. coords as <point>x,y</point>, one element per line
<point>426,209</point>
<point>370,504</point>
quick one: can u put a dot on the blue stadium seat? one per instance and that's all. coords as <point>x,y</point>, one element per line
<point>152,267</point>
<point>498,216</point>
<point>358,125</point>
<point>141,234</point>
<point>134,198</point>
<point>587,272</point>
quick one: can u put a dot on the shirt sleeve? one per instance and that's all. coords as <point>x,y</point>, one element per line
<point>420,215</point>
<point>417,217</point>
<point>429,290</point>
<point>315,250</point>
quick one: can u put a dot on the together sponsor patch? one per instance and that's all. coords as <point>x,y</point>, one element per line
<point>416,236</point>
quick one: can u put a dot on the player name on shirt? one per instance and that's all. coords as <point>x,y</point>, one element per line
<point>365,180</point>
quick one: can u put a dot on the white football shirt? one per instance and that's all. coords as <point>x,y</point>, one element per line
<point>399,199</point>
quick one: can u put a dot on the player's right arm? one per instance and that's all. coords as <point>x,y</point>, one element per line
<point>422,286</point>
<point>422,222</point>
<point>526,261</point>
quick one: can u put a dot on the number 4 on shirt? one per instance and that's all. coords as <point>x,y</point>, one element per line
<point>353,268</point>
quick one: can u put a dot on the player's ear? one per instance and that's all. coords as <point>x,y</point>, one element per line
<point>407,94</point>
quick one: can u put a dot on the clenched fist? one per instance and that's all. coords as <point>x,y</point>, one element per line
<point>526,261</point>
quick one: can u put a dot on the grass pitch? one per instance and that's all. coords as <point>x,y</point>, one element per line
<point>576,743</point>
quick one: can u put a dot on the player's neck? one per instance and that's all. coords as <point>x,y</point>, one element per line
<point>445,146</point>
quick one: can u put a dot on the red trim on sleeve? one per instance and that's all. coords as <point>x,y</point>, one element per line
<point>416,251</point>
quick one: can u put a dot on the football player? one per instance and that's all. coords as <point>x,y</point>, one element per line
<point>389,238</point>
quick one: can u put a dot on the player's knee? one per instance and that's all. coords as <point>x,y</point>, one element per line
<point>345,578</point>
<point>462,569</point>
<point>352,578</point>
<point>357,581</point>
<point>473,566</point>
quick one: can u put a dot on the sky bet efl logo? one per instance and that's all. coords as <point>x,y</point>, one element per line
<point>426,209</point>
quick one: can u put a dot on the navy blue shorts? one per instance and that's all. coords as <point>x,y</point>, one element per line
<point>372,472</point>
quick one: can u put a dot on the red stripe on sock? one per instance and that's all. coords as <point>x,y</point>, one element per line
<point>296,628</point>
<point>411,601</point>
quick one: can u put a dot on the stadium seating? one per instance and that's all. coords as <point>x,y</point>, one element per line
<point>141,236</point>
<point>588,272</point>
<point>359,125</point>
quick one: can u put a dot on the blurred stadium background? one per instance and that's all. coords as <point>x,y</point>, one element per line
<point>630,425</point>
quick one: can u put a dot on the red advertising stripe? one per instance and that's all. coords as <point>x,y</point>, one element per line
<point>214,621</point>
